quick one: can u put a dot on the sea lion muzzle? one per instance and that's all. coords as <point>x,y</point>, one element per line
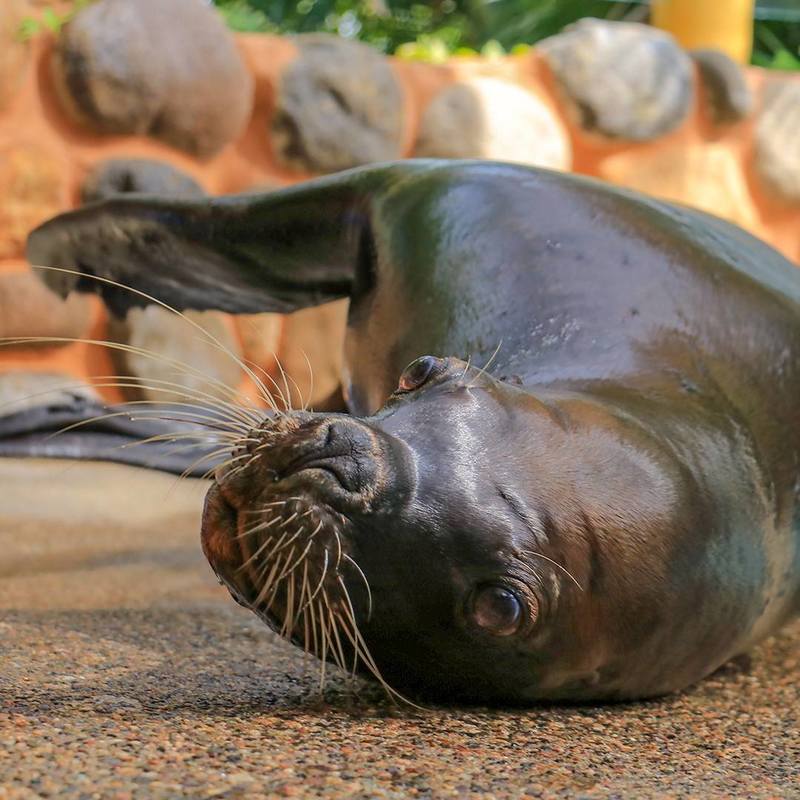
<point>278,522</point>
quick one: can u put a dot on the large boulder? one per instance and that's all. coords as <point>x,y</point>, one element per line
<point>168,69</point>
<point>195,352</point>
<point>494,119</point>
<point>728,93</point>
<point>312,352</point>
<point>777,139</point>
<point>621,79</point>
<point>147,176</point>
<point>338,105</point>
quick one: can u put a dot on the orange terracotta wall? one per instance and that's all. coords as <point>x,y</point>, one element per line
<point>45,155</point>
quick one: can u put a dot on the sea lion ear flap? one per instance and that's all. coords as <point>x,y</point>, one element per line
<point>278,252</point>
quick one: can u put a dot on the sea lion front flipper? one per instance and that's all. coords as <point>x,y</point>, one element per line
<point>279,251</point>
<point>82,429</point>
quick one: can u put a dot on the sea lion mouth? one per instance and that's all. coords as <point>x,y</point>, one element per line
<point>277,524</point>
<point>283,559</point>
<point>283,523</point>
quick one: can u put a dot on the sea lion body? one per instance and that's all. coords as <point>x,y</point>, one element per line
<point>609,510</point>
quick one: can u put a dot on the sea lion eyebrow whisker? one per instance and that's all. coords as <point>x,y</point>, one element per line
<point>482,370</point>
<point>535,528</point>
<point>555,564</point>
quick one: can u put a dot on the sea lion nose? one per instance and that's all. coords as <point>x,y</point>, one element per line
<point>344,447</point>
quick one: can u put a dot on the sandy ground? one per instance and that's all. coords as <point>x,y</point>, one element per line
<point>127,672</point>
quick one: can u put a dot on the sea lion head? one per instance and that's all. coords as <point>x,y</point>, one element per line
<point>450,543</point>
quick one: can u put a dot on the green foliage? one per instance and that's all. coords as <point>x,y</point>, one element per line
<point>241,16</point>
<point>438,29</point>
<point>425,30</point>
<point>50,20</point>
<point>777,45</point>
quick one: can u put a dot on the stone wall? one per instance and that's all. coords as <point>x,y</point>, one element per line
<point>160,97</point>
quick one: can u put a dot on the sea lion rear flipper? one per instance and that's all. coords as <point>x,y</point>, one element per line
<point>280,251</point>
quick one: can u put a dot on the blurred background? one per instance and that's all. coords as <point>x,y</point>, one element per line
<point>694,101</point>
<point>443,28</point>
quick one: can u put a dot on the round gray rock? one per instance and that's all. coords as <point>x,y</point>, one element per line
<point>167,69</point>
<point>494,119</point>
<point>729,93</point>
<point>338,105</point>
<point>622,79</point>
<point>122,175</point>
<point>777,139</point>
<point>180,357</point>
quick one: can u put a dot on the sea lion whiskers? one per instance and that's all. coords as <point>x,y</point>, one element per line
<point>287,398</point>
<point>208,456</point>
<point>264,545</point>
<point>273,503</point>
<point>213,340</point>
<point>179,366</point>
<point>213,424</point>
<point>337,649</point>
<point>202,434</point>
<point>362,651</point>
<point>326,559</point>
<point>307,401</point>
<point>324,654</point>
<point>290,567</point>
<point>289,613</point>
<point>306,586</point>
<point>467,365</point>
<point>558,566</point>
<point>366,583</point>
<point>338,549</point>
<point>273,405</point>
<point>258,526</point>
<point>269,585</point>
<point>303,589</point>
<point>302,555</point>
<point>235,414</point>
<point>481,371</point>
<point>251,531</point>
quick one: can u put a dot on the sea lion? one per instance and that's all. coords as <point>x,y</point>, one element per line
<point>606,509</point>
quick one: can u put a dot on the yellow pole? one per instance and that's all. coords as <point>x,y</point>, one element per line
<point>724,24</point>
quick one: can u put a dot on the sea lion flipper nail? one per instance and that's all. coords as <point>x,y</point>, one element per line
<point>280,251</point>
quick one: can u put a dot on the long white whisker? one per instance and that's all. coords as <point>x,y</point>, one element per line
<point>555,564</point>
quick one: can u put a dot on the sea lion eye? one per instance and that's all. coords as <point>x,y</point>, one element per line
<point>417,372</point>
<point>496,610</point>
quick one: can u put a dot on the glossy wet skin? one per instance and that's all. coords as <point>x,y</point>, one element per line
<point>444,582</point>
<point>495,572</point>
<point>611,512</point>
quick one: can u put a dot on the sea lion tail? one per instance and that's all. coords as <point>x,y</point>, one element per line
<point>279,251</point>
